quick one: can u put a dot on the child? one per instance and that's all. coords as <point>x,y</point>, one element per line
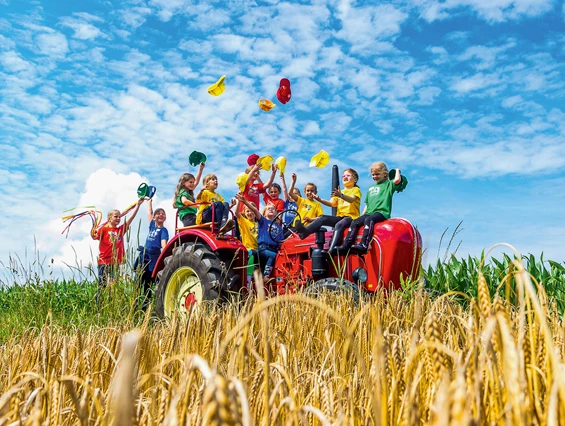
<point>254,186</point>
<point>267,246</point>
<point>156,240</point>
<point>348,204</point>
<point>289,203</point>
<point>184,196</point>
<point>247,223</point>
<point>378,205</point>
<point>111,246</point>
<point>308,208</point>
<point>272,197</point>
<point>213,202</point>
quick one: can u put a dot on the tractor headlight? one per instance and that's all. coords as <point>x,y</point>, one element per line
<point>360,275</point>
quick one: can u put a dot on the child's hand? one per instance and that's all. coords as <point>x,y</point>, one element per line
<point>233,202</point>
<point>336,193</point>
<point>397,177</point>
<point>239,197</point>
<point>202,165</point>
<point>281,175</point>
<point>140,201</point>
<point>274,167</point>
<point>294,177</point>
<point>148,199</point>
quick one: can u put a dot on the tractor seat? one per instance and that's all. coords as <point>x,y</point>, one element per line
<point>201,226</point>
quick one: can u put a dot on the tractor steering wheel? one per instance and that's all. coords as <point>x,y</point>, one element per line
<point>273,231</point>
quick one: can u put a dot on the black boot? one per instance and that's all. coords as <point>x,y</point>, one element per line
<point>301,230</point>
<point>344,248</point>
<point>336,241</point>
<point>363,245</point>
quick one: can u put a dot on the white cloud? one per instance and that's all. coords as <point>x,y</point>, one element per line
<point>82,30</point>
<point>52,44</point>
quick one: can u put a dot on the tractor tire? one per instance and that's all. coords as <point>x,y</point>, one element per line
<point>193,274</point>
<point>333,285</point>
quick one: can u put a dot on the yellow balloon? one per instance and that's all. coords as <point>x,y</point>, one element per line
<point>265,162</point>
<point>281,164</point>
<point>218,87</point>
<point>241,179</point>
<point>266,105</point>
<point>321,159</point>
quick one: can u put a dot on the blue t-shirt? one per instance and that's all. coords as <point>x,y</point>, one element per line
<point>288,218</point>
<point>263,236</point>
<point>153,244</point>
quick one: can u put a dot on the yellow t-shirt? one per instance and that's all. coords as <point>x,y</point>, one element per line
<point>345,208</point>
<point>249,230</point>
<point>307,208</point>
<point>210,197</point>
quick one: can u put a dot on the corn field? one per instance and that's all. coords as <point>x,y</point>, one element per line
<point>295,360</point>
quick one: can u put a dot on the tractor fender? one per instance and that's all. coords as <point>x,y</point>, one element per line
<point>228,244</point>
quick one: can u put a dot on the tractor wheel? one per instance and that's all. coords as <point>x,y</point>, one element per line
<point>333,285</point>
<point>192,274</point>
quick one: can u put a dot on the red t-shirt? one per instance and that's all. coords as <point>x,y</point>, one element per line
<point>252,191</point>
<point>277,202</point>
<point>111,245</point>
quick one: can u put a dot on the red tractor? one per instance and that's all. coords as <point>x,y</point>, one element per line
<point>199,265</point>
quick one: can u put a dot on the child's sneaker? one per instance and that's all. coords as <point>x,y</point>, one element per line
<point>228,226</point>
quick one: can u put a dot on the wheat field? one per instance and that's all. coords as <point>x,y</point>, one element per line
<point>396,359</point>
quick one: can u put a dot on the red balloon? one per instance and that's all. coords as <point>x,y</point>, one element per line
<point>283,92</point>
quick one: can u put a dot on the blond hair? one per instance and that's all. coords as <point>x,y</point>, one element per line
<point>111,213</point>
<point>205,181</point>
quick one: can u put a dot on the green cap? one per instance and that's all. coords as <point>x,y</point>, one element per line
<point>142,190</point>
<point>195,158</point>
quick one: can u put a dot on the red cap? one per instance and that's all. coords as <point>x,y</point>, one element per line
<point>252,159</point>
<point>285,82</point>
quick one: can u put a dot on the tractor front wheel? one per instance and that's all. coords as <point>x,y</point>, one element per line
<point>326,285</point>
<point>192,274</point>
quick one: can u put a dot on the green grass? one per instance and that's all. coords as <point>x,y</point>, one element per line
<point>67,303</point>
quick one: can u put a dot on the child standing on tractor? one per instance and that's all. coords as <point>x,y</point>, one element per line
<point>184,196</point>
<point>111,249</point>
<point>156,241</point>
<point>269,237</point>
<point>273,197</point>
<point>247,223</point>
<point>348,203</point>
<point>308,208</point>
<point>254,186</point>
<point>213,204</point>
<point>378,206</point>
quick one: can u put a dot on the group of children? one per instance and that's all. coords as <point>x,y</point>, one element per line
<point>258,231</point>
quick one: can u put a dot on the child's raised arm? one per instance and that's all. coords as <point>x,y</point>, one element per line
<point>251,206</point>
<point>149,209</point>
<point>397,177</point>
<point>272,178</point>
<point>291,190</point>
<point>252,174</point>
<point>199,174</point>
<point>283,186</point>
<point>133,213</point>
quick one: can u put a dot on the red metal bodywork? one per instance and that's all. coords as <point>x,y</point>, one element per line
<point>395,252</point>
<point>394,255</point>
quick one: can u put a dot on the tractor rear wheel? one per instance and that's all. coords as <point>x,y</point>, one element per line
<point>326,285</point>
<point>192,274</point>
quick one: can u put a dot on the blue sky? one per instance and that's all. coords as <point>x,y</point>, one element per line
<point>464,96</point>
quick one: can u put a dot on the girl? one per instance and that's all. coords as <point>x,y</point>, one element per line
<point>348,204</point>
<point>267,246</point>
<point>112,252</point>
<point>272,197</point>
<point>184,196</point>
<point>254,186</point>
<point>211,201</point>
<point>247,223</point>
<point>378,205</point>
<point>289,203</point>
<point>308,208</point>
<point>156,240</point>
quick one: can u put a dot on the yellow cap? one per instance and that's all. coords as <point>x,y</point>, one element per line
<point>321,159</point>
<point>241,179</point>
<point>218,87</point>
<point>281,163</point>
<point>266,105</point>
<point>265,162</point>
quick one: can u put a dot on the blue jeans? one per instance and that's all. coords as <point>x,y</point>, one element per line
<point>267,255</point>
<point>221,211</point>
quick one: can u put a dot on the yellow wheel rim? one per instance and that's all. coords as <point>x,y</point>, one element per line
<point>183,292</point>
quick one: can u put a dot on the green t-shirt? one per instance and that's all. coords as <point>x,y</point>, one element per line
<point>379,196</point>
<point>179,204</point>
